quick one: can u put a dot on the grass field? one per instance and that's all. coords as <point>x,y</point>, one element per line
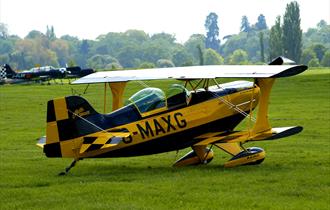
<point>294,175</point>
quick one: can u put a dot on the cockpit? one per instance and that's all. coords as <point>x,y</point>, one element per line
<point>150,101</point>
<point>153,100</point>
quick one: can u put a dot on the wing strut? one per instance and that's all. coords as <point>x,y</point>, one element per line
<point>117,90</point>
<point>262,124</point>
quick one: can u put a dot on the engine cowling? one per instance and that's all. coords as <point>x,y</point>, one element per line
<point>250,156</point>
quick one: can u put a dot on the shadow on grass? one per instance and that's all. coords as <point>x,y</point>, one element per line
<point>140,171</point>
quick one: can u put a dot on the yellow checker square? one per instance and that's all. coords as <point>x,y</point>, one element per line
<point>61,111</point>
<point>101,140</point>
<point>52,133</point>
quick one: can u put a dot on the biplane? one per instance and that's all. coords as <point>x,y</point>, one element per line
<point>200,113</point>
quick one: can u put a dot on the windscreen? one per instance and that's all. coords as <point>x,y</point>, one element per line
<point>148,99</point>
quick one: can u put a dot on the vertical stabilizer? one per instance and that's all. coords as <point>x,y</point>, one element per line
<point>66,124</point>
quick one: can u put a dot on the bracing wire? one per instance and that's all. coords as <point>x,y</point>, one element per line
<point>87,121</point>
<point>231,105</point>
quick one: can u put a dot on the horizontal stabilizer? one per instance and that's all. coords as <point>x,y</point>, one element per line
<point>41,141</point>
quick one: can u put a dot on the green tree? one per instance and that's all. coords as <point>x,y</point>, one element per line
<point>212,32</point>
<point>326,59</point>
<point>211,57</point>
<point>292,33</point>
<point>248,42</point>
<point>129,56</point>
<point>83,52</point>
<point>201,55</point>
<point>192,46</point>
<point>137,36</point>
<point>34,34</point>
<point>319,50</point>
<point>61,48</point>
<point>147,65</point>
<point>181,57</point>
<point>168,38</point>
<point>245,25</point>
<point>34,51</point>
<point>109,44</point>
<point>307,55</point>
<point>50,33</point>
<point>155,50</point>
<point>318,35</point>
<point>322,24</point>
<point>261,24</point>
<point>262,46</point>
<point>102,61</point>
<point>275,40</point>
<point>71,63</point>
<point>314,63</point>
<point>165,63</point>
<point>6,46</point>
<point>113,66</point>
<point>3,31</point>
<point>4,58</point>
<point>238,57</point>
<point>74,51</point>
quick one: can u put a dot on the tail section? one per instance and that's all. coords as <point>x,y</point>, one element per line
<point>10,73</point>
<point>65,124</point>
<point>7,72</point>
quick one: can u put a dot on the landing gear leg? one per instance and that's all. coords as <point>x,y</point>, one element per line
<point>67,169</point>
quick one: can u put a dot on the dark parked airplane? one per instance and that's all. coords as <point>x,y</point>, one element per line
<point>43,73</point>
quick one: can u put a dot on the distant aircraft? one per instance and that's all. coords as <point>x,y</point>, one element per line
<point>6,72</point>
<point>155,121</point>
<point>44,73</point>
<point>7,75</point>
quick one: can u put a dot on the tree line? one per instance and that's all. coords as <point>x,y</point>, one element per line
<point>254,44</point>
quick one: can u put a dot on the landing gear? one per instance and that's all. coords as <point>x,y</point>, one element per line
<point>67,169</point>
<point>195,157</point>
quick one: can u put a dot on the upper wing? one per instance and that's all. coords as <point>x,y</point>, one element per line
<point>194,72</point>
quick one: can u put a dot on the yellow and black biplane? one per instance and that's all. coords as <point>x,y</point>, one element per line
<point>155,121</point>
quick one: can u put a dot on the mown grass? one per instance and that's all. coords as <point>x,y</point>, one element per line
<point>295,174</point>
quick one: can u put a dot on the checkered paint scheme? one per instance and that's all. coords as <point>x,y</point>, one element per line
<point>63,137</point>
<point>3,74</point>
<point>102,141</point>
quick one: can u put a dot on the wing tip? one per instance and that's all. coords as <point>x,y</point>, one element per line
<point>294,70</point>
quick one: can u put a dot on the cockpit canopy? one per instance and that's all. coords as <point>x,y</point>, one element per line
<point>150,99</point>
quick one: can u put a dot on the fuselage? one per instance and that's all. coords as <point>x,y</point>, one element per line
<point>169,129</point>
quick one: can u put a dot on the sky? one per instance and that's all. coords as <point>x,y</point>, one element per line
<point>87,19</point>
